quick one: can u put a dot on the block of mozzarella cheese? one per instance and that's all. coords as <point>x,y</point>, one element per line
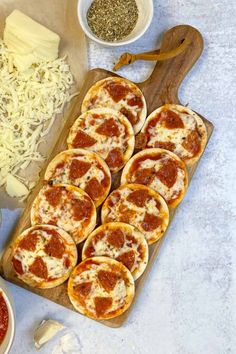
<point>29,41</point>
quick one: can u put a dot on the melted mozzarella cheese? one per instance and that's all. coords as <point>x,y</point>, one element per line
<point>56,267</point>
<point>105,100</point>
<point>62,175</point>
<point>63,212</point>
<point>118,294</point>
<point>166,192</point>
<point>138,217</point>
<point>157,185</point>
<point>102,247</point>
<point>177,136</point>
<point>104,144</point>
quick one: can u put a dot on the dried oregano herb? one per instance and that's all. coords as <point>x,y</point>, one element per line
<point>112,20</point>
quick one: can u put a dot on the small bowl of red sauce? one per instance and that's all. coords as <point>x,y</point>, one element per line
<point>7,318</point>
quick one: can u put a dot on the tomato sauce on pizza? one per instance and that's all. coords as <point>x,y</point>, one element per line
<point>4,318</point>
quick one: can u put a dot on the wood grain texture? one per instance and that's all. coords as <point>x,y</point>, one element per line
<point>160,88</point>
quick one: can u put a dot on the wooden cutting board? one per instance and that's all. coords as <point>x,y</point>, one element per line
<point>161,87</point>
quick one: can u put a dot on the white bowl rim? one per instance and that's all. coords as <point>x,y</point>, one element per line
<point>12,318</point>
<point>114,44</point>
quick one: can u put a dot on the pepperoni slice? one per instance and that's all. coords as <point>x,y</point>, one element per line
<point>115,158</point>
<point>109,128</point>
<point>193,142</point>
<point>55,247</point>
<point>145,175</point>
<point>128,114</point>
<point>89,252</point>
<point>113,199</point>
<point>116,238</point>
<point>53,196</point>
<point>158,204</point>
<point>50,222</point>
<point>151,222</point>
<point>102,304</point>
<point>17,266</point>
<point>126,215</point>
<point>60,165</point>
<point>29,242</point>
<point>117,91</point>
<point>82,208</point>
<point>106,180</point>
<point>153,123</point>
<point>131,240</point>
<point>78,168</point>
<point>39,268</point>
<point>99,236</point>
<point>83,140</point>
<point>83,289</point>
<point>141,251</point>
<point>171,120</point>
<point>107,279</point>
<point>66,262</point>
<point>93,101</point>
<point>127,258</point>
<point>165,145</point>
<point>167,174</point>
<point>138,197</point>
<point>94,188</point>
<point>141,141</point>
<point>135,101</point>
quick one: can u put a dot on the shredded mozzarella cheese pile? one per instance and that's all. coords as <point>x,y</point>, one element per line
<point>29,103</point>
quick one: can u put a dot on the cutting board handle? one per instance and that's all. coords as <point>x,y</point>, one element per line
<point>167,76</point>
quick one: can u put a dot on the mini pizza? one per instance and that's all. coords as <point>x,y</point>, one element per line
<point>83,169</point>
<point>161,170</point>
<point>101,288</point>
<point>139,206</point>
<point>175,128</point>
<point>44,256</point>
<point>106,132</point>
<point>119,94</point>
<point>67,207</point>
<point>119,241</point>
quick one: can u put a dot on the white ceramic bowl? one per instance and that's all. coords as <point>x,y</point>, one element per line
<point>144,20</point>
<point>7,342</point>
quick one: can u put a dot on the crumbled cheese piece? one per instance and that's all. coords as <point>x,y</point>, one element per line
<point>46,331</point>
<point>14,187</point>
<point>29,103</point>
<point>69,344</point>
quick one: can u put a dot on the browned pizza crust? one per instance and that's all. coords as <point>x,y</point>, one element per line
<point>106,132</point>
<point>83,169</point>
<point>67,207</point>
<point>43,256</point>
<point>161,170</point>
<point>175,128</point>
<point>119,241</point>
<point>139,206</point>
<point>101,288</point>
<point>119,94</point>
